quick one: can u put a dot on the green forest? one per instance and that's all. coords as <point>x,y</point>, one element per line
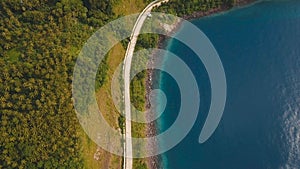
<point>187,7</point>
<point>40,41</point>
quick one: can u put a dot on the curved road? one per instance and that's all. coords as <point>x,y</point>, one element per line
<point>126,69</point>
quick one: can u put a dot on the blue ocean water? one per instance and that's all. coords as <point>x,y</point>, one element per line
<point>259,47</point>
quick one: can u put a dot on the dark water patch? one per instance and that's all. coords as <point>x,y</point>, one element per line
<point>260,128</point>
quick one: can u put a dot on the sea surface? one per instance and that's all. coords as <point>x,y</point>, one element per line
<point>259,47</point>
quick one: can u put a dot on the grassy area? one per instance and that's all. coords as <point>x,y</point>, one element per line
<point>104,96</point>
<point>138,92</point>
<point>105,102</point>
<point>126,7</point>
<point>108,110</point>
<point>88,150</point>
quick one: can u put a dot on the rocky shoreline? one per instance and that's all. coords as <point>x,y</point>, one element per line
<point>155,161</point>
<point>152,79</point>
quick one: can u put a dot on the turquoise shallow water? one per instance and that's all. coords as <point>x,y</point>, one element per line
<point>259,47</point>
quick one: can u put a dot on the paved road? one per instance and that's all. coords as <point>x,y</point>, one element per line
<point>126,69</point>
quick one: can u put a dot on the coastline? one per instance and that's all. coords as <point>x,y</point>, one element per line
<point>155,162</point>
<point>200,14</point>
<point>152,79</point>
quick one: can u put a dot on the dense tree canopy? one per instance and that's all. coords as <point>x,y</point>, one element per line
<point>188,7</point>
<point>40,41</point>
